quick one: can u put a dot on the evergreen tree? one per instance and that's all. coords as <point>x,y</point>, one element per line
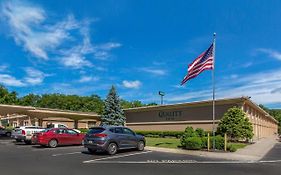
<point>113,113</point>
<point>235,124</point>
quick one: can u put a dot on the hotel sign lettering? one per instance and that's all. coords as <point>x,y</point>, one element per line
<point>169,115</point>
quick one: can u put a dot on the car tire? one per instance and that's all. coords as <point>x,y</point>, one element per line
<point>91,151</point>
<point>112,148</point>
<point>53,143</point>
<point>8,134</point>
<point>140,146</point>
<point>18,140</point>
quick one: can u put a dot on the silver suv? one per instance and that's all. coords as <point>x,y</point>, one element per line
<point>112,138</point>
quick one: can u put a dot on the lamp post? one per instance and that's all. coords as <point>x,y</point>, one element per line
<point>162,95</point>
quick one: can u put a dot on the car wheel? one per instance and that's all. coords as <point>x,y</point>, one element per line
<point>18,140</point>
<point>8,134</point>
<point>91,151</point>
<point>140,146</point>
<point>53,143</point>
<point>112,148</point>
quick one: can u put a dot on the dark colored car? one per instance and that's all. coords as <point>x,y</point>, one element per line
<point>53,137</point>
<point>5,132</point>
<point>112,138</point>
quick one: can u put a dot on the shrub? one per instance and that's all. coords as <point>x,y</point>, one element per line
<point>200,132</point>
<point>231,148</point>
<point>219,142</point>
<point>176,134</point>
<point>189,132</point>
<point>194,143</point>
<point>83,130</point>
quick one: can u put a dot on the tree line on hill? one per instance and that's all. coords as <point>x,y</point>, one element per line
<point>276,113</point>
<point>92,103</point>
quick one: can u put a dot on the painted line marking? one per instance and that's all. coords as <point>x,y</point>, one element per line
<point>62,154</point>
<point>184,162</point>
<point>58,148</point>
<point>115,157</point>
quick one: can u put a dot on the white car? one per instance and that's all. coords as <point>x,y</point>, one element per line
<point>60,125</point>
<point>25,133</point>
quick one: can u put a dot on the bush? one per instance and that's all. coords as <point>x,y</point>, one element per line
<point>200,132</point>
<point>231,148</point>
<point>83,130</point>
<point>219,142</point>
<point>155,134</point>
<point>189,132</point>
<point>194,143</point>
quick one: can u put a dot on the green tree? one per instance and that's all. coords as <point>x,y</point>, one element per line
<point>113,113</point>
<point>29,100</point>
<point>235,124</point>
<point>7,97</point>
<point>276,113</point>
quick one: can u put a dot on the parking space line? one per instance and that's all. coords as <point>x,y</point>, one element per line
<point>54,149</point>
<point>116,157</point>
<point>62,154</point>
<point>182,162</point>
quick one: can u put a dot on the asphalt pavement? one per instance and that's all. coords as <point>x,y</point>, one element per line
<point>18,158</point>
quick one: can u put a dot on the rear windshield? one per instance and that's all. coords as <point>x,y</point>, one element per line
<point>95,130</point>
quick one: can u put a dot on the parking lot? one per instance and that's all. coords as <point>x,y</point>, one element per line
<point>18,158</point>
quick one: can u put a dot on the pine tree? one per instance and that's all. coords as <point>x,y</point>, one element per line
<point>113,113</point>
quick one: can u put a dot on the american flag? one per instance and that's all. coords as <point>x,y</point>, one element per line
<point>205,61</point>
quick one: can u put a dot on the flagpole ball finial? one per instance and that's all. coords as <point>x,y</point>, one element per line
<point>214,34</point>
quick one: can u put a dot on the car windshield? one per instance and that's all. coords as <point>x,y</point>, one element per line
<point>95,130</point>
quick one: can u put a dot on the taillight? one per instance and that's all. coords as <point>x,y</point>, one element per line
<point>23,132</point>
<point>100,135</point>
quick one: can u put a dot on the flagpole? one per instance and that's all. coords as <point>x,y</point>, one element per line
<point>213,82</point>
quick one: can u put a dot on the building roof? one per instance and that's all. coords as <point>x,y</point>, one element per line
<point>238,100</point>
<point>45,112</point>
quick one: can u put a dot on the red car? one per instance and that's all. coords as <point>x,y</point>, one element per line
<point>53,137</point>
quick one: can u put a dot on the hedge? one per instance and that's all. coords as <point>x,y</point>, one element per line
<point>176,134</point>
<point>194,143</point>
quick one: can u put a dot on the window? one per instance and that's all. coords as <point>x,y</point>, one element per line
<point>118,130</point>
<point>128,131</point>
<point>60,131</point>
<point>72,132</point>
<point>95,130</point>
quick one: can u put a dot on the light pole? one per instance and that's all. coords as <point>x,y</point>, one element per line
<point>162,95</point>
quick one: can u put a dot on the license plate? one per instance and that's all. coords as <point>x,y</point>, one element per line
<point>90,142</point>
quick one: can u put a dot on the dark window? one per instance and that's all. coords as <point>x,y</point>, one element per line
<point>95,130</point>
<point>118,130</point>
<point>60,131</point>
<point>128,131</point>
<point>72,132</point>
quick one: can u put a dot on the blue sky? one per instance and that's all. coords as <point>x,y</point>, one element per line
<point>141,47</point>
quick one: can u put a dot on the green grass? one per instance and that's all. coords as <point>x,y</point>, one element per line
<point>174,143</point>
<point>238,145</point>
<point>163,142</point>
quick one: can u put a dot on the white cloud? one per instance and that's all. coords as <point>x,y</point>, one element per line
<point>84,79</point>
<point>34,76</point>
<point>132,84</point>
<point>271,53</point>
<point>154,71</point>
<point>75,60</point>
<point>263,87</point>
<point>3,68</point>
<point>27,25</point>
<point>9,80</point>
<point>31,29</point>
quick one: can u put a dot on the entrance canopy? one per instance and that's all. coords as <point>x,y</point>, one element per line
<point>40,113</point>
